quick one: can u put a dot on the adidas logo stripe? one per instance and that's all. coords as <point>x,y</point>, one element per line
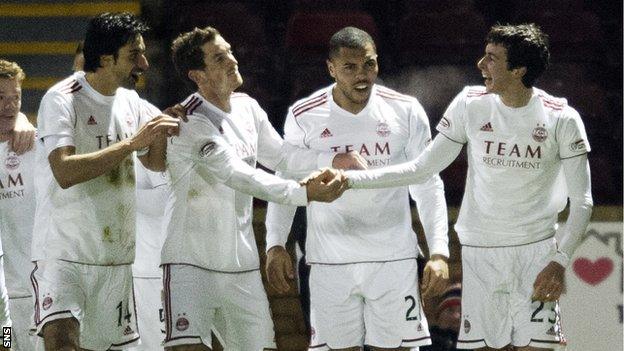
<point>487,127</point>
<point>326,133</point>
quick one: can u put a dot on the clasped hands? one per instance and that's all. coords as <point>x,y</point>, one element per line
<point>328,184</point>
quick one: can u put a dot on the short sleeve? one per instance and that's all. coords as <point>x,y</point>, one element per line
<point>571,135</point>
<point>453,123</point>
<point>55,116</point>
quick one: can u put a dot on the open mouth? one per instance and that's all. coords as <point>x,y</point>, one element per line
<point>361,87</point>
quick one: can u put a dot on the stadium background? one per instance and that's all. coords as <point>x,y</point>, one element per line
<point>427,48</point>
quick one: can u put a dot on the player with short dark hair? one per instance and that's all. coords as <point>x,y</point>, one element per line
<point>210,260</point>
<point>83,243</point>
<point>361,248</point>
<point>527,155</point>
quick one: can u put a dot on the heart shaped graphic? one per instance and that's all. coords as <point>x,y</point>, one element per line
<point>593,272</point>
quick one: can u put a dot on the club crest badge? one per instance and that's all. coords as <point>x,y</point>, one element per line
<point>467,326</point>
<point>383,130</point>
<point>540,134</point>
<point>12,161</point>
<point>47,303</point>
<point>182,324</point>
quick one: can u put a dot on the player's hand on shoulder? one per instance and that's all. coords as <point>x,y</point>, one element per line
<point>550,283</point>
<point>161,126</point>
<point>349,160</point>
<point>279,269</point>
<point>325,185</point>
<point>435,276</point>
<point>23,136</point>
<point>176,111</point>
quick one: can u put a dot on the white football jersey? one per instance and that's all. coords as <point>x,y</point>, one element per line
<point>17,209</point>
<point>208,217</point>
<point>515,185</point>
<point>151,194</point>
<point>365,225</point>
<point>92,222</point>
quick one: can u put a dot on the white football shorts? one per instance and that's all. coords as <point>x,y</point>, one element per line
<point>376,304</point>
<point>99,297</point>
<point>22,317</point>
<point>235,305</point>
<point>497,309</point>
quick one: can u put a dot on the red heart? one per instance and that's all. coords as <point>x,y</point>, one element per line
<point>593,272</point>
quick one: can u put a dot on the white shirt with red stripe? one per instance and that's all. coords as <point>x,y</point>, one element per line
<point>364,225</point>
<point>17,211</point>
<point>92,222</point>
<point>212,163</point>
<point>515,185</point>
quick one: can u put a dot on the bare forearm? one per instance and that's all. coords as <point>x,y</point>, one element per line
<point>69,169</point>
<point>156,158</point>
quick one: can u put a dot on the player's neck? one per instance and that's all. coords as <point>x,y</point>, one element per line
<point>5,137</point>
<point>102,83</point>
<point>516,96</point>
<point>221,99</point>
<point>347,104</point>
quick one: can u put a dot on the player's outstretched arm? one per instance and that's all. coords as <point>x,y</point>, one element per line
<point>436,157</point>
<point>70,168</point>
<point>550,283</point>
<point>23,138</point>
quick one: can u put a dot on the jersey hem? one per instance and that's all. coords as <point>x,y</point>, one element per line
<point>207,269</point>
<point>88,264</point>
<point>516,245</point>
<point>374,261</point>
